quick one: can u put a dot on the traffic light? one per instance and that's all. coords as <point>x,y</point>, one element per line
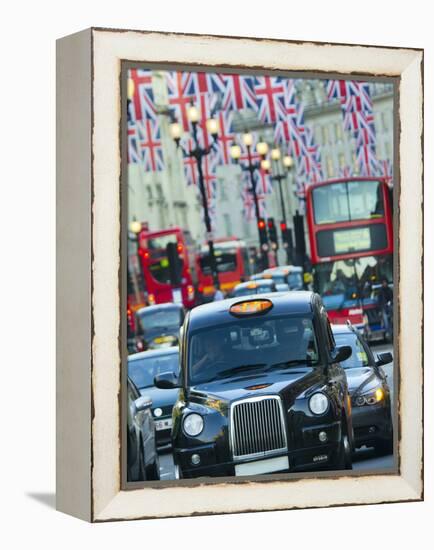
<point>287,241</point>
<point>262,233</point>
<point>272,234</point>
<point>175,264</point>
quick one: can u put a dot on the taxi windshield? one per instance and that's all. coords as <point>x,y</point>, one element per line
<point>247,345</point>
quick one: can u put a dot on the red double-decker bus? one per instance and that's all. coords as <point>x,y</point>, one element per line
<point>351,241</point>
<point>156,266</point>
<point>233,266</point>
<point>136,292</point>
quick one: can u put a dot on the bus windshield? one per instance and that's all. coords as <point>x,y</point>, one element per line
<point>352,278</point>
<point>226,261</point>
<point>158,261</point>
<point>348,201</point>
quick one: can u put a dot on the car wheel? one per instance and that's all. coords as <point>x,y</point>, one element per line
<point>153,470</point>
<point>384,447</point>
<point>344,459</point>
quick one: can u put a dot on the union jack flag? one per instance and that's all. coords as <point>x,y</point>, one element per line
<point>210,83</point>
<point>342,89</point>
<point>190,170</point>
<point>142,105</point>
<point>240,93</point>
<point>366,160</point>
<point>226,137</point>
<point>249,204</point>
<point>150,144</point>
<point>345,172</point>
<point>182,90</point>
<point>270,93</point>
<point>209,167</point>
<point>385,168</point>
<point>134,156</point>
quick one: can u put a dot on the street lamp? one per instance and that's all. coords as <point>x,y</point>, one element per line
<point>135,226</point>
<point>279,176</point>
<point>198,152</point>
<point>262,149</point>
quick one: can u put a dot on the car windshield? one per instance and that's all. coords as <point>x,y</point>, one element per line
<point>160,319</point>
<point>359,357</point>
<point>258,344</point>
<point>142,371</point>
<point>295,280</point>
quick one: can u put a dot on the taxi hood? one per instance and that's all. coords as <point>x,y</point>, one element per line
<point>294,381</point>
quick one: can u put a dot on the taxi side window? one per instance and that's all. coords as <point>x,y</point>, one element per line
<point>330,337</point>
<point>331,344</point>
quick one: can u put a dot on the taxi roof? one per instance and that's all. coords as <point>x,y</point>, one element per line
<point>255,283</point>
<point>217,313</point>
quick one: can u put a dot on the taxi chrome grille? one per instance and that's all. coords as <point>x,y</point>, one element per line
<point>257,427</point>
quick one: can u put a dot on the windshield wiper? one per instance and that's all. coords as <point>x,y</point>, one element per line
<point>289,364</point>
<point>240,368</point>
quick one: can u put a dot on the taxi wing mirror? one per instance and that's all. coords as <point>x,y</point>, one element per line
<point>142,403</point>
<point>166,381</point>
<point>383,359</point>
<point>342,354</point>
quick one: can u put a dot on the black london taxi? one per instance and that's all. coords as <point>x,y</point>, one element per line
<point>258,286</point>
<point>369,391</point>
<point>261,389</point>
<point>158,326</point>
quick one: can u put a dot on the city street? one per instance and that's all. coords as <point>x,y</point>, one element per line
<point>365,458</point>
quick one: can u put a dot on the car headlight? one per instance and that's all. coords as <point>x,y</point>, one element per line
<point>193,424</point>
<point>371,398</point>
<point>158,412</point>
<point>318,403</point>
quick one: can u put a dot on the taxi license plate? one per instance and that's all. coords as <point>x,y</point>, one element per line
<point>163,424</point>
<point>265,466</point>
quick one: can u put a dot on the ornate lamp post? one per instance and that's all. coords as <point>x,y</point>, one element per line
<point>280,176</point>
<point>198,152</point>
<point>262,149</point>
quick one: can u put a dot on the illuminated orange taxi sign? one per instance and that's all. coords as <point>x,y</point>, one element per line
<point>251,307</point>
<point>251,285</point>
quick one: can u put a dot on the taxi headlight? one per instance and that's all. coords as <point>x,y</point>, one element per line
<point>193,424</point>
<point>318,403</point>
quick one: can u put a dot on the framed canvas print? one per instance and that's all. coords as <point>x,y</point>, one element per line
<point>239,275</point>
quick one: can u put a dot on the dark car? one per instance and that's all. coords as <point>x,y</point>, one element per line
<point>142,368</point>
<point>158,326</point>
<point>142,456</point>
<point>258,286</point>
<point>261,389</point>
<point>369,390</point>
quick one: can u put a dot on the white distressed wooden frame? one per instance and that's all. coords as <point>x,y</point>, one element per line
<point>88,228</point>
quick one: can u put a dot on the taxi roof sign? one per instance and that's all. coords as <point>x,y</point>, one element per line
<point>250,307</point>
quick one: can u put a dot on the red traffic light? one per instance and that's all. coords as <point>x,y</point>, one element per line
<point>283,226</point>
<point>261,224</point>
<point>270,224</point>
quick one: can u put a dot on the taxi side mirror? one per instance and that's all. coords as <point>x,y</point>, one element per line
<point>166,381</point>
<point>342,354</point>
<point>142,403</point>
<point>383,359</point>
